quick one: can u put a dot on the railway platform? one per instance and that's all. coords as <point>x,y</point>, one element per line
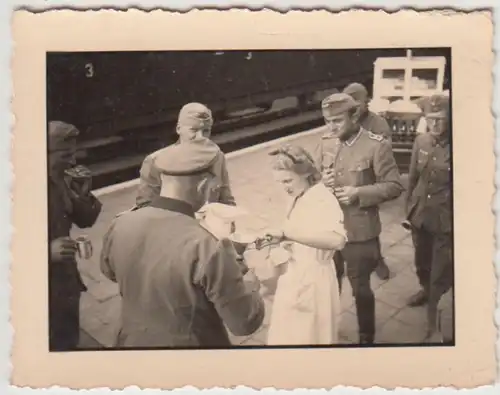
<point>255,190</point>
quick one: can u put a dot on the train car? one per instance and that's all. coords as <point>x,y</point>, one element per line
<point>106,92</point>
<point>126,103</point>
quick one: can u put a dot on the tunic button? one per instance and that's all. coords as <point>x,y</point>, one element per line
<point>428,196</point>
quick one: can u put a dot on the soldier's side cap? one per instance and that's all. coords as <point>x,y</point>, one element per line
<point>337,104</point>
<point>187,158</point>
<point>356,90</point>
<point>61,135</point>
<point>439,106</point>
<point>195,115</point>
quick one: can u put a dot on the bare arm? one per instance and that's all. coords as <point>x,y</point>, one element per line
<point>324,228</point>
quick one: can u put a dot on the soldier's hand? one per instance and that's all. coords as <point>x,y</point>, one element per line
<point>328,177</point>
<point>347,195</point>
<point>252,281</point>
<point>81,187</point>
<point>62,250</point>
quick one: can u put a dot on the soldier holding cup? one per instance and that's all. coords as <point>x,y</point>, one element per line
<point>70,202</point>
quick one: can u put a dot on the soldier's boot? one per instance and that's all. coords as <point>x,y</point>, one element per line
<point>382,270</point>
<point>419,299</point>
<point>366,339</point>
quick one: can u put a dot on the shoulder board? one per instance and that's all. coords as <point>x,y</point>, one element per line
<point>376,137</point>
<point>129,210</point>
<point>327,136</point>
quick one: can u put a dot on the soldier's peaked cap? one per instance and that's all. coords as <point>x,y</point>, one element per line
<point>439,106</point>
<point>61,135</point>
<point>356,90</point>
<point>187,158</point>
<point>195,115</point>
<point>338,103</point>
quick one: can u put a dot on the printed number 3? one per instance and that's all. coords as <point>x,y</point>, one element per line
<point>89,70</point>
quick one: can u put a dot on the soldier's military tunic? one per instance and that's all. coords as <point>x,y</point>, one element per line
<point>376,124</point>
<point>180,286</point>
<point>364,161</point>
<point>429,210</point>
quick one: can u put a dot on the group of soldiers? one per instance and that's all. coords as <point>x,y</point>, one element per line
<point>190,285</point>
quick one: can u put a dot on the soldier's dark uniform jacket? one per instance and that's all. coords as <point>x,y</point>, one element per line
<point>180,285</point>
<point>429,185</point>
<point>65,284</point>
<point>366,162</point>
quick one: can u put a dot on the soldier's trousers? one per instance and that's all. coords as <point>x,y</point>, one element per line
<point>64,319</point>
<point>361,259</point>
<point>434,265</point>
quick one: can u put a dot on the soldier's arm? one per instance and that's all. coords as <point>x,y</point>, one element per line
<point>388,184</point>
<point>226,195</point>
<point>241,308</point>
<point>412,173</point>
<point>86,209</point>
<point>149,183</point>
<point>106,261</point>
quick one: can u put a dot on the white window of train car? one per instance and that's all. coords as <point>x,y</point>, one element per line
<point>408,77</point>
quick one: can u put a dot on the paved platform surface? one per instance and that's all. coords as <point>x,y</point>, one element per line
<point>255,190</point>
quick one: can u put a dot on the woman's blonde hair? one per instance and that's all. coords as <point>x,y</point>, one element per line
<point>297,160</point>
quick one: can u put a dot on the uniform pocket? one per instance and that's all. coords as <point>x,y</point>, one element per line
<point>361,173</point>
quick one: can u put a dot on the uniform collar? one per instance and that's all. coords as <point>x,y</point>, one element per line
<point>350,141</point>
<point>364,116</point>
<point>175,205</point>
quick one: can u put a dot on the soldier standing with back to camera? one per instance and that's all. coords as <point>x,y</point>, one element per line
<point>179,282</point>
<point>429,210</point>
<point>360,168</point>
<point>376,124</point>
<point>195,121</point>
<point>70,202</point>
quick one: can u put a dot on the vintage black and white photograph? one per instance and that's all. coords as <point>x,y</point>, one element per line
<point>224,199</point>
<point>250,198</point>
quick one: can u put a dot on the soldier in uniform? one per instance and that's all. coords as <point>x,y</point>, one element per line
<point>429,210</point>
<point>69,203</point>
<point>374,123</point>
<point>180,285</point>
<point>360,169</point>
<point>195,121</point>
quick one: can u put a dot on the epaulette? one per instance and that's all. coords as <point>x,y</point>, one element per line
<point>376,137</point>
<point>136,207</point>
<point>327,135</point>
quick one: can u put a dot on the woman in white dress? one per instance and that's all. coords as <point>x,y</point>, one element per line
<point>306,305</point>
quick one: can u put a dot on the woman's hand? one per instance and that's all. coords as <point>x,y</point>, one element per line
<point>273,236</point>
